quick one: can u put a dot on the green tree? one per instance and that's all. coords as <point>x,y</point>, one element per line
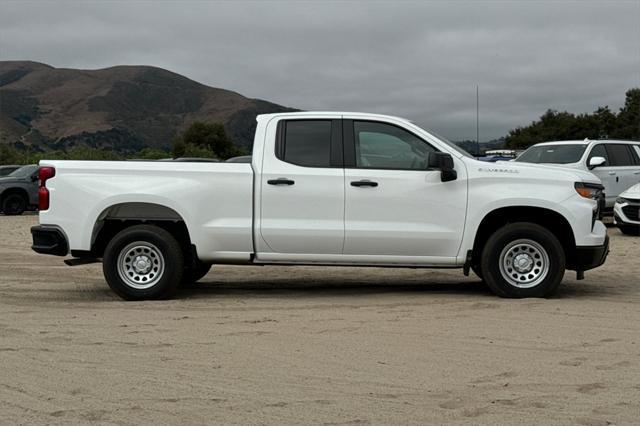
<point>211,137</point>
<point>603,123</point>
<point>628,120</point>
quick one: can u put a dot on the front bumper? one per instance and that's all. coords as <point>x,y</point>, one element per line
<point>49,241</point>
<point>627,213</point>
<point>589,257</point>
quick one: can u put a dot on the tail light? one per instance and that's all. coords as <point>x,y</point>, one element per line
<point>45,173</point>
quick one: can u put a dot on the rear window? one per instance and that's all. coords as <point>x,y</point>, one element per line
<point>556,154</point>
<point>306,143</point>
<point>619,155</point>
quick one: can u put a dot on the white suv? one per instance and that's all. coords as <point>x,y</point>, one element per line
<point>616,163</point>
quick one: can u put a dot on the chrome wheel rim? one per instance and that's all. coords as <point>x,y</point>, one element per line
<point>524,263</point>
<point>140,265</point>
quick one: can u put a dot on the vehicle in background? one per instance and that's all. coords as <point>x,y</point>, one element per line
<point>6,170</point>
<point>626,212</point>
<point>240,159</point>
<point>324,188</point>
<point>616,163</point>
<point>494,158</point>
<point>19,190</point>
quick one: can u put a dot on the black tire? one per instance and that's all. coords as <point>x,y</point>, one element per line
<point>163,263</point>
<point>195,273</point>
<point>531,244</point>
<point>630,229</point>
<point>14,204</point>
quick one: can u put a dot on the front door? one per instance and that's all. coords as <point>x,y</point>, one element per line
<point>397,211</point>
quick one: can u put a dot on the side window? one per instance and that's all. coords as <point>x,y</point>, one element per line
<point>305,143</point>
<point>619,155</point>
<point>384,146</point>
<point>599,151</point>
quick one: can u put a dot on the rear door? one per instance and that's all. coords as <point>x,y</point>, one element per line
<point>397,211</point>
<point>623,166</point>
<point>302,190</point>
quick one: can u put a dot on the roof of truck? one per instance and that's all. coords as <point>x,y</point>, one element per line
<point>320,113</point>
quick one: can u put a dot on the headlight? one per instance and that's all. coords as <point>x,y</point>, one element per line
<point>592,191</point>
<point>621,200</point>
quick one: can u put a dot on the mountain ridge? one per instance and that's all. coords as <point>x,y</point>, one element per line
<point>124,107</point>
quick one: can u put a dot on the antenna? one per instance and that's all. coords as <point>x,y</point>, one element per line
<point>477,121</point>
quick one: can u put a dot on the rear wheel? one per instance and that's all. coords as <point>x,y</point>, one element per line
<point>143,262</point>
<point>523,260</point>
<point>14,204</point>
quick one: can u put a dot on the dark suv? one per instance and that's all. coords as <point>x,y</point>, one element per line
<point>19,190</point>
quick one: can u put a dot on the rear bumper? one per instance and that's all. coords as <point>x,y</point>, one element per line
<point>589,257</point>
<point>49,241</point>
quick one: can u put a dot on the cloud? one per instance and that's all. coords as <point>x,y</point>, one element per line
<point>420,60</point>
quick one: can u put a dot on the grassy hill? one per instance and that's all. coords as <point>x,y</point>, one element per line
<point>124,108</point>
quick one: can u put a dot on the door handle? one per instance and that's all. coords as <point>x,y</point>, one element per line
<point>364,182</point>
<point>637,173</point>
<point>612,173</point>
<point>280,181</point>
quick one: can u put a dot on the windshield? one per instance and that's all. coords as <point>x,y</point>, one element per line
<point>557,154</point>
<point>23,172</point>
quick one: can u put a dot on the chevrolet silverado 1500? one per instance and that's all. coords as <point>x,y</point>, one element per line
<point>324,188</point>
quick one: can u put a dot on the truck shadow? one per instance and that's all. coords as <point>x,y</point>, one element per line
<point>298,288</point>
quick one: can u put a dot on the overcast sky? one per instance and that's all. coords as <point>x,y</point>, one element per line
<point>420,60</point>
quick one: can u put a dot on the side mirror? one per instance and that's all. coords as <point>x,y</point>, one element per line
<point>443,162</point>
<point>596,162</point>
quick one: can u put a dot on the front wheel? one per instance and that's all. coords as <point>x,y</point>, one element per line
<point>523,260</point>
<point>143,262</point>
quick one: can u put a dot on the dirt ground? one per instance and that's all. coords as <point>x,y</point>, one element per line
<point>267,345</point>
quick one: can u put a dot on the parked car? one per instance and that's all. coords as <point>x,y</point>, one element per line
<point>324,189</point>
<point>19,190</point>
<point>616,163</point>
<point>626,212</point>
<point>6,170</point>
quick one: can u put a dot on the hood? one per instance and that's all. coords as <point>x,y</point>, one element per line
<point>633,192</point>
<point>569,173</point>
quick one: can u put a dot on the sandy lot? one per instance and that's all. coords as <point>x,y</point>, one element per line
<point>264,345</point>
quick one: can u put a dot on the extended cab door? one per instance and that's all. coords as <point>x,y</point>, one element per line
<point>397,211</point>
<point>302,189</point>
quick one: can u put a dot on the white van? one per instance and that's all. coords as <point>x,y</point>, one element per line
<point>616,163</point>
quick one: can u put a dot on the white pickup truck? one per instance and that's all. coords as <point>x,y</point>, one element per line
<point>324,188</point>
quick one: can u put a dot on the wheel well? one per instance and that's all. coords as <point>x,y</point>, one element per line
<point>553,221</point>
<point>121,216</point>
